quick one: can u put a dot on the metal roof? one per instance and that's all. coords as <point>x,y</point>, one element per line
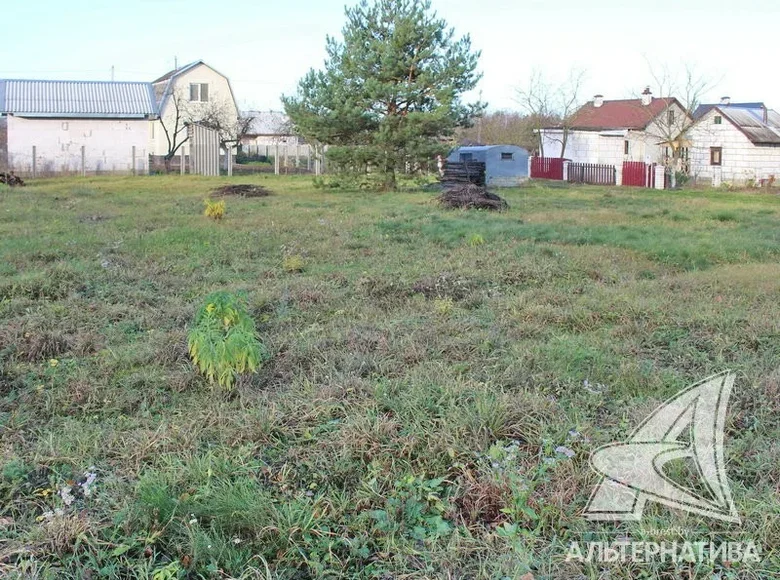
<point>269,123</point>
<point>475,148</point>
<point>177,71</point>
<point>77,99</point>
<point>751,122</point>
<point>703,109</point>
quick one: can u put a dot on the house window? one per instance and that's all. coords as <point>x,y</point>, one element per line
<point>718,120</point>
<point>626,147</point>
<point>716,156</point>
<point>670,116</point>
<point>507,156</point>
<point>199,92</point>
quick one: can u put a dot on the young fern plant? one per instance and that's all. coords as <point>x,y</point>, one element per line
<point>223,342</point>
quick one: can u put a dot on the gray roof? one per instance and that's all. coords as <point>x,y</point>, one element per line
<point>77,99</point>
<point>475,148</point>
<point>753,124</point>
<point>177,71</point>
<point>269,123</point>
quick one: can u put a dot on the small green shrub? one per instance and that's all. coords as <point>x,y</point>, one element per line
<point>223,342</point>
<point>476,240</point>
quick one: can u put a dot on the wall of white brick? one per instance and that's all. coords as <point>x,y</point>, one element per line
<point>742,161</point>
<point>108,144</point>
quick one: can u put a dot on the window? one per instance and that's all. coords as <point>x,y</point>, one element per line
<point>199,92</point>
<point>670,116</point>
<point>626,147</point>
<point>718,120</point>
<point>464,157</point>
<point>507,156</point>
<point>716,156</point>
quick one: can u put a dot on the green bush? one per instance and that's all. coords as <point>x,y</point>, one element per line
<point>223,342</point>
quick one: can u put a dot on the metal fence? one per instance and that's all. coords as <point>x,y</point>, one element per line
<point>547,168</point>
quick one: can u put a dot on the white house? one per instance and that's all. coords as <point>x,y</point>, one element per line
<point>70,126</point>
<point>194,91</point>
<point>613,131</point>
<point>735,143</point>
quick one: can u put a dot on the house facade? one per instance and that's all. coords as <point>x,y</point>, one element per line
<point>613,131</point>
<point>74,126</point>
<point>735,143</point>
<point>190,93</point>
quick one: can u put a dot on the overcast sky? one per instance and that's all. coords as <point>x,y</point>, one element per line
<point>264,47</point>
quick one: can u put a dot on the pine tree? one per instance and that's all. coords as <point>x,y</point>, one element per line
<point>390,92</point>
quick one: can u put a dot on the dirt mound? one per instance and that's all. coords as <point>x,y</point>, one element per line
<point>470,196</point>
<point>10,179</point>
<point>242,190</point>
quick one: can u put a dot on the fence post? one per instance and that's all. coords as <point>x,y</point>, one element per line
<point>566,170</point>
<point>34,161</point>
<point>133,159</point>
<point>182,162</point>
<point>660,174</point>
<point>618,174</point>
<point>83,162</point>
<point>530,165</point>
<point>229,154</point>
<point>276,159</point>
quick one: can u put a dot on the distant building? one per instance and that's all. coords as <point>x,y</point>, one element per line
<point>268,128</point>
<point>737,143</point>
<point>505,165</point>
<point>58,126</point>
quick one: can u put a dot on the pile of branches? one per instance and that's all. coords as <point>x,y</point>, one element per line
<point>242,190</point>
<point>10,179</point>
<point>470,196</point>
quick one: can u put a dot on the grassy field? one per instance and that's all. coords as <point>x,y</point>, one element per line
<point>437,379</point>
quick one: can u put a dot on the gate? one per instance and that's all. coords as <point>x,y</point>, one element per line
<point>204,150</point>
<point>639,174</point>
<point>592,173</point>
<point>547,168</point>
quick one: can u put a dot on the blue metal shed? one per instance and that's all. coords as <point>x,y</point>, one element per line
<point>505,165</point>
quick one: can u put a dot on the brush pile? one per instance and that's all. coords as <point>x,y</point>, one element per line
<point>10,179</point>
<point>241,190</point>
<point>470,196</point>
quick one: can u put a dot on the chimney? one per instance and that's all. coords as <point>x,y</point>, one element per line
<point>725,101</point>
<point>647,96</point>
<point>598,100</point>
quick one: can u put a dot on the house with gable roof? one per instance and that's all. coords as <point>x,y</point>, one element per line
<point>62,126</point>
<point>737,143</point>
<point>191,91</point>
<point>613,131</point>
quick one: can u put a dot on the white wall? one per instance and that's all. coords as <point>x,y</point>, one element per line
<point>741,160</point>
<point>219,94</point>
<point>603,147</point>
<point>108,144</point>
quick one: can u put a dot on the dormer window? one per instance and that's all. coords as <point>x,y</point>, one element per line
<point>718,120</point>
<point>670,114</point>
<point>199,92</point>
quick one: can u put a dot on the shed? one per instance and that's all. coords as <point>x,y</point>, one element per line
<point>505,165</point>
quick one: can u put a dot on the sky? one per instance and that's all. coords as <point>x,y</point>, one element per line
<point>265,47</point>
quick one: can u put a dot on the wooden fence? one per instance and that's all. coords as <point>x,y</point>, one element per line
<point>592,173</point>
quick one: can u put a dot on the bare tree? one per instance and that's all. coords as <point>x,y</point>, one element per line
<point>546,103</point>
<point>175,128</point>
<point>231,129</point>
<point>683,93</point>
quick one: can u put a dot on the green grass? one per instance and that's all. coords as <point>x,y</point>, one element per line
<point>418,384</point>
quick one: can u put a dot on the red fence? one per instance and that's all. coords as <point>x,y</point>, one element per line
<point>547,168</point>
<point>592,173</point>
<point>639,174</point>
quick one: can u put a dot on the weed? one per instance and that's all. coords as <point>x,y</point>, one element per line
<point>475,240</point>
<point>223,342</point>
<point>293,264</point>
<point>214,209</point>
